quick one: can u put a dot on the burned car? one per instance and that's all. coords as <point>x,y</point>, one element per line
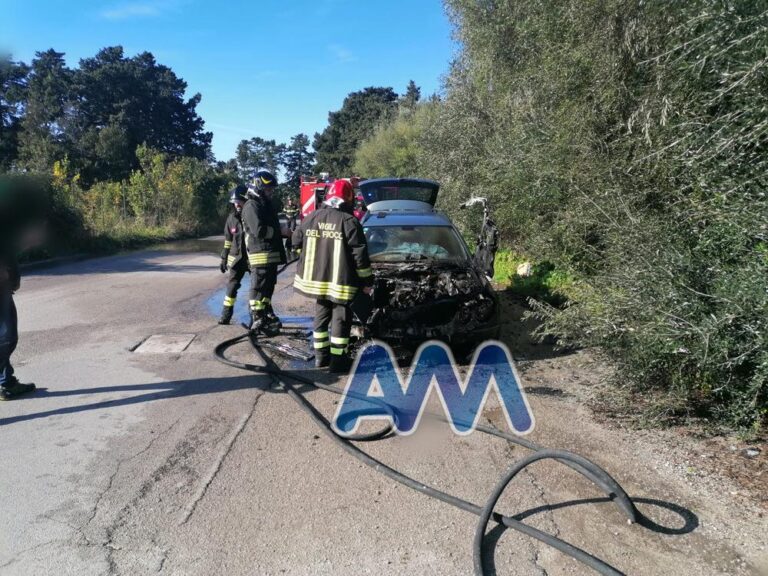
<point>427,283</point>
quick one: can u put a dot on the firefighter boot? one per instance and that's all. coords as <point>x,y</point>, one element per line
<point>257,320</point>
<point>274,320</point>
<point>340,364</point>
<point>226,315</point>
<point>322,358</point>
<point>261,324</point>
<point>14,388</point>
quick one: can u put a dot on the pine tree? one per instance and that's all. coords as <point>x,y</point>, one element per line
<point>13,83</point>
<point>299,161</point>
<point>41,141</point>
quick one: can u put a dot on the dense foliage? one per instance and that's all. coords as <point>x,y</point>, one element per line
<point>291,161</point>
<point>118,151</point>
<point>624,141</point>
<point>98,113</point>
<point>356,120</point>
<point>394,147</point>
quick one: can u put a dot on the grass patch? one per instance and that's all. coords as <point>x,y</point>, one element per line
<point>545,282</point>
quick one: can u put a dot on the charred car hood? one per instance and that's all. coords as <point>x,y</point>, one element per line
<point>422,300</point>
<point>406,285</point>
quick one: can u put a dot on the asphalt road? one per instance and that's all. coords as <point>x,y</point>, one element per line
<point>171,463</point>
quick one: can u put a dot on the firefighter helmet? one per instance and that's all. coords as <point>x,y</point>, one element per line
<point>341,189</point>
<point>238,194</point>
<point>263,179</point>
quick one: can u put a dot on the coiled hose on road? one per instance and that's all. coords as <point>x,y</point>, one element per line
<point>486,513</point>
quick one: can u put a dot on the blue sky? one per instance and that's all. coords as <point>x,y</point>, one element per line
<point>265,68</point>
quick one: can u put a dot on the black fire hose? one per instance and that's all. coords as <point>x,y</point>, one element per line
<point>580,464</point>
<point>585,467</point>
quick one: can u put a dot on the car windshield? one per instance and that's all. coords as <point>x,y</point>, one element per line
<point>410,243</point>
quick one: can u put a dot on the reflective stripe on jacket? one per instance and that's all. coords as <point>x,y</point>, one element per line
<point>334,259</point>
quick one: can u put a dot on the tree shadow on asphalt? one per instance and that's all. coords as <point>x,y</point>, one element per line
<point>135,262</point>
<point>159,391</point>
<point>689,519</point>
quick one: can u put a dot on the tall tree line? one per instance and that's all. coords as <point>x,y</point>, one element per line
<point>292,160</point>
<point>361,113</point>
<point>95,115</point>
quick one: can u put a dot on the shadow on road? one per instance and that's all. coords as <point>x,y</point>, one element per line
<point>146,261</point>
<point>156,391</point>
<point>690,520</point>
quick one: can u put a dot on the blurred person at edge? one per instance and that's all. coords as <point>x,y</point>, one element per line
<point>22,209</point>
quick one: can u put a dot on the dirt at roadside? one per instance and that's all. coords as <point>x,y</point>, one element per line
<point>728,463</point>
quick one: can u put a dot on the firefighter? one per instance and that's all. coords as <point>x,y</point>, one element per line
<point>233,256</point>
<point>291,213</point>
<point>333,266</point>
<point>264,245</point>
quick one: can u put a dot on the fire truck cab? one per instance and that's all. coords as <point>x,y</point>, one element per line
<point>314,188</point>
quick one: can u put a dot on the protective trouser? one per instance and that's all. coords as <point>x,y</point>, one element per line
<point>234,279</point>
<point>291,229</point>
<point>263,280</point>
<point>9,337</point>
<point>331,330</point>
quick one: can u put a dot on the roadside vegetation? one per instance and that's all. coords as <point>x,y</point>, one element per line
<point>541,281</point>
<point>622,144</point>
<point>120,154</point>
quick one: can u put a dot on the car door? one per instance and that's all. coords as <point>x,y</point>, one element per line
<point>487,245</point>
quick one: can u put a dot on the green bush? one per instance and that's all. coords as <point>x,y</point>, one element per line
<point>393,150</point>
<point>165,199</point>
<point>624,142</point>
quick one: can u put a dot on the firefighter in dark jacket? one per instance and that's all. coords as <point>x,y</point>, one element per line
<point>233,257</point>
<point>333,266</point>
<point>291,211</point>
<point>264,244</point>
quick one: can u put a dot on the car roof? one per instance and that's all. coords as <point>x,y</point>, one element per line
<point>422,181</point>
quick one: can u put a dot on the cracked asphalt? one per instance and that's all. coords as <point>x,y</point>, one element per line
<point>127,463</point>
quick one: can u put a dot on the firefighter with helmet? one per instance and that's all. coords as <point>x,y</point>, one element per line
<point>333,266</point>
<point>264,245</point>
<point>291,210</point>
<point>233,257</point>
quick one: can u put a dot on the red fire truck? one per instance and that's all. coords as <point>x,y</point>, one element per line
<point>313,189</point>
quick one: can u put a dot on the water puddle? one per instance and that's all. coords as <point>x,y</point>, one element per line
<point>297,329</point>
<point>242,314</point>
<point>208,244</point>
